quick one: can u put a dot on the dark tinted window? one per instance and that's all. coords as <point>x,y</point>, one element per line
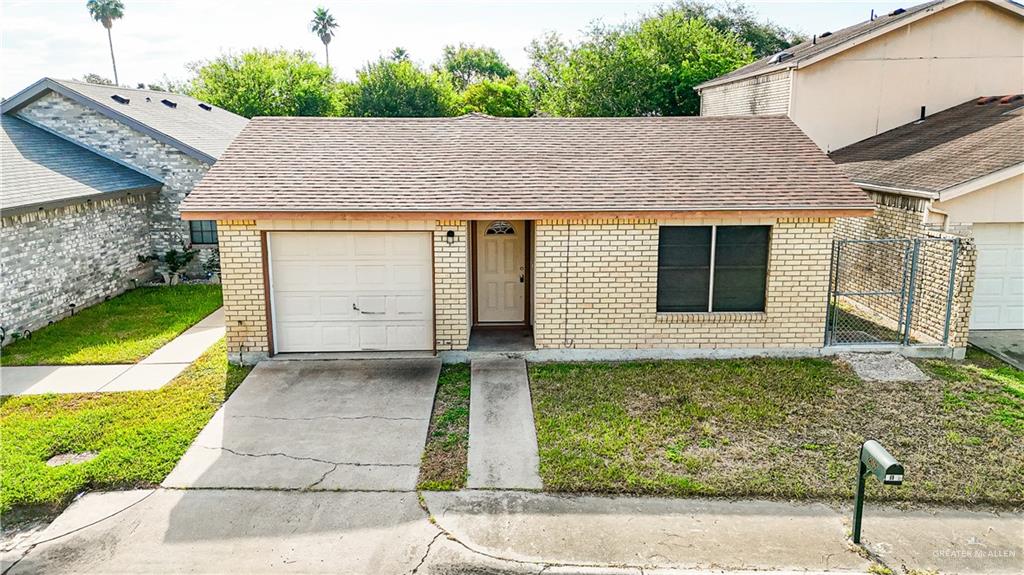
<point>741,268</point>
<point>684,268</point>
<point>203,231</point>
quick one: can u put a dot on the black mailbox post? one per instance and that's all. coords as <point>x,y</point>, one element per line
<point>874,460</point>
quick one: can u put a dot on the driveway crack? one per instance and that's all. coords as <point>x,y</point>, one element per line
<point>427,552</point>
<point>317,460</point>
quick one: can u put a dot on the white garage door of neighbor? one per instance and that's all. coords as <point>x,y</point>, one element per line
<point>999,280</point>
<point>351,291</point>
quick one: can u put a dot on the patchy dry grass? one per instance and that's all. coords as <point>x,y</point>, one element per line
<point>444,460</point>
<point>778,428</point>
<point>138,436</point>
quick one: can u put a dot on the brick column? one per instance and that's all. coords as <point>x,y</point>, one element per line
<point>245,312</point>
<point>451,285</point>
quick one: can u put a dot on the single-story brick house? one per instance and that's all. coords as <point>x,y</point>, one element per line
<point>92,179</point>
<point>354,234</point>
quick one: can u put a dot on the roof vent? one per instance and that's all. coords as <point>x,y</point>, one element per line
<point>986,100</point>
<point>1011,98</point>
<point>825,34</point>
<point>169,103</point>
<point>205,106</point>
<point>897,12</point>
<point>780,57</point>
<point>120,99</point>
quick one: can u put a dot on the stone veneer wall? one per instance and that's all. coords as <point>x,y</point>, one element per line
<point>77,254</point>
<point>178,171</point>
<point>596,287</point>
<point>875,266</point>
<point>757,96</point>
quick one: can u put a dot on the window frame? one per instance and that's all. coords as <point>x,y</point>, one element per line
<point>192,233</point>
<point>711,269</point>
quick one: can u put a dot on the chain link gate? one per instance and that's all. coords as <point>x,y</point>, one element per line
<point>891,291</point>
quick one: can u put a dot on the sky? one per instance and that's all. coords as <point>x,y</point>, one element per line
<point>158,38</point>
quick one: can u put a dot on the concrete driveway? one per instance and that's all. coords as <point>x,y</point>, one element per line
<point>317,425</point>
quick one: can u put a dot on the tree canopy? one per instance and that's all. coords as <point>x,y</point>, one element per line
<point>637,69</point>
<point>265,83</point>
<point>764,38</point>
<point>468,64</point>
<point>506,97</point>
<point>399,88</point>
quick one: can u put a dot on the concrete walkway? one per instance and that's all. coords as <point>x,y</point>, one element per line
<point>502,436</point>
<point>1006,344</point>
<point>496,532</point>
<point>153,372</point>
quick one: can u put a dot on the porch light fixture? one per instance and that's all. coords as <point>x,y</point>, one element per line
<point>450,237</point>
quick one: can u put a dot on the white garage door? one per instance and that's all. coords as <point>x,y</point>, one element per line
<point>999,283</point>
<point>351,291</point>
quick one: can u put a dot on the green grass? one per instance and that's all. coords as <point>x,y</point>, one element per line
<point>139,436</point>
<point>778,428</point>
<point>443,467</point>
<point>124,329</point>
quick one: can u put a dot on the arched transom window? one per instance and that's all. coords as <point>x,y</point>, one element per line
<point>500,228</point>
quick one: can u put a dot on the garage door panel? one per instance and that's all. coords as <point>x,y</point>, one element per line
<point>386,275</point>
<point>999,278</point>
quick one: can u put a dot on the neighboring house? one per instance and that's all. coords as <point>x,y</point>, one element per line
<point>614,234</point>
<point>92,179</point>
<point>960,167</point>
<point>851,84</point>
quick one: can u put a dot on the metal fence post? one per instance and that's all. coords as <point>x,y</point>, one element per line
<point>910,295</point>
<point>833,310</point>
<point>949,292</point>
<point>903,291</point>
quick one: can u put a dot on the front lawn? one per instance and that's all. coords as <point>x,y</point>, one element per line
<point>443,467</point>
<point>124,329</point>
<point>138,436</point>
<point>779,428</point>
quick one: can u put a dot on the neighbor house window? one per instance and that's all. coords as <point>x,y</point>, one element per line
<point>712,268</point>
<point>203,231</point>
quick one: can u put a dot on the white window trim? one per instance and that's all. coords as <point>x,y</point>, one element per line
<point>711,272</point>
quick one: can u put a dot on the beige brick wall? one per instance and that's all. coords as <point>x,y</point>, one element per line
<point>451,285</point>
<point>596,287</point>
<point>757,96</point>
<point>245,312</point>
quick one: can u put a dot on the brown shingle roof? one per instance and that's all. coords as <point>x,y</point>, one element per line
<point>477,163</point>
<point>951,147</point>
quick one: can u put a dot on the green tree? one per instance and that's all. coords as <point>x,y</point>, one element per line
<point>468,64</point>
<point>105,12</point>
<point>96,79</point>
<point>399,88</point>
<point>765,38</point>
<point>637,69</point>
<point>506,97</point>
<point>265,83</point>
<point>399,54</point>
<point>323,25</point>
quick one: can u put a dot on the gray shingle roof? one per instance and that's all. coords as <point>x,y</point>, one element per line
<point>949,148</point>
<point>204,134</point>
<point>38,168</point>
<point>838,39</point>
<point>477,163</point>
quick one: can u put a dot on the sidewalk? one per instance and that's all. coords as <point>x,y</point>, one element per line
<point>153,372</point>
<point>502,532</point>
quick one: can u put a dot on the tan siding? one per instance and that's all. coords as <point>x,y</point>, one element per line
<point>757,96</point>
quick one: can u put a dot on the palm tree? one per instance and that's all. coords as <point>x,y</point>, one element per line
<point>105,12</point>
<point>323,25</point>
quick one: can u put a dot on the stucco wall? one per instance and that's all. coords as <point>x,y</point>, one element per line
<point>758,96</point>
<point>178,171</point>
<point>1002,202</point>
<point>77,254</point>
<point>596,287</point>
<point>945,59</point>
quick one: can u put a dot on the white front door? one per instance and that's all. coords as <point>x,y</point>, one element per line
<point>999,277</point>
<point>351,291</point>
<point>501,271</point>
